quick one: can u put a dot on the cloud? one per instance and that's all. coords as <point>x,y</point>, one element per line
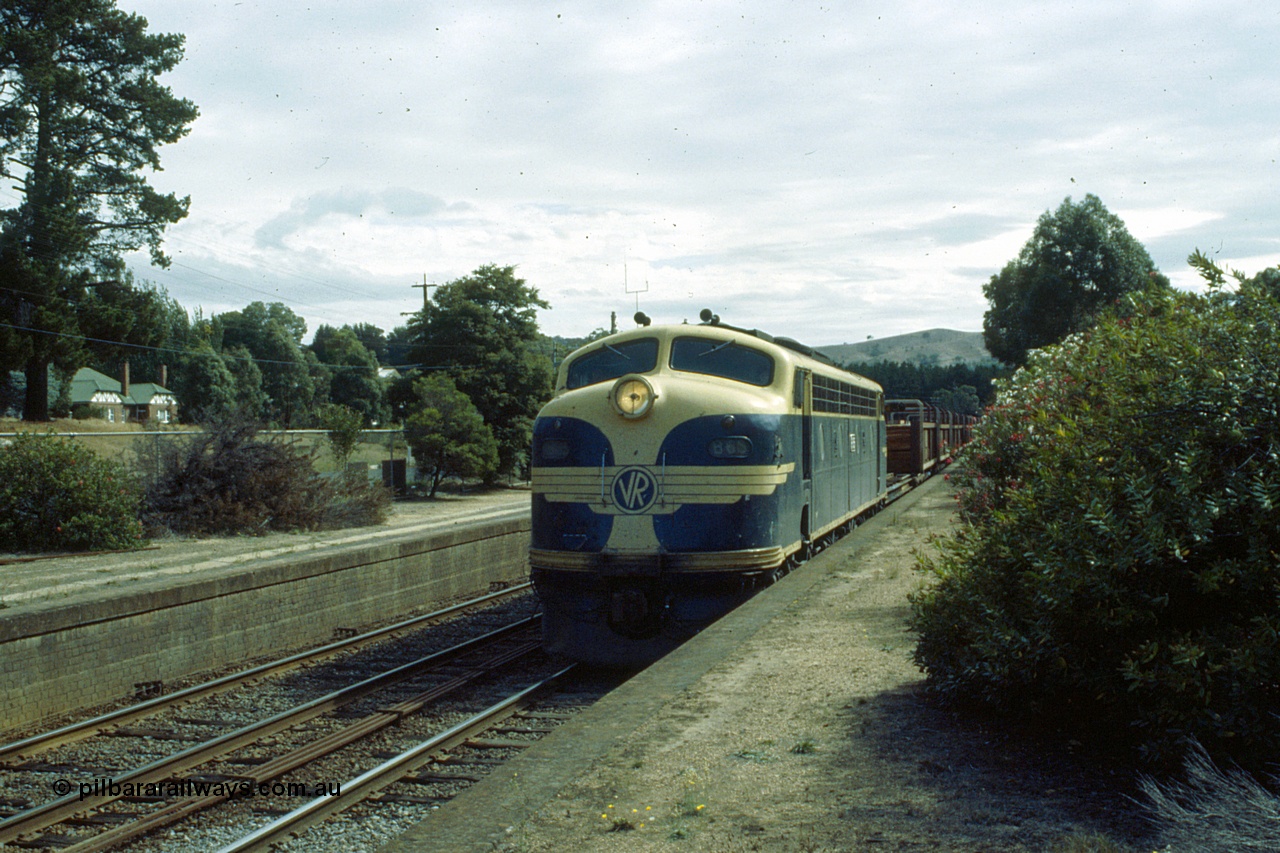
<point>347,204</point>
<point>822,172</point>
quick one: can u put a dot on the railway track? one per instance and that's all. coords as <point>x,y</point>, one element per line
<point>395,769</point>
<point>119,806</point>
<point>83,729</point>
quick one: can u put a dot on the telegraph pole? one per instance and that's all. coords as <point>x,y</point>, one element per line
<point>426,303</point>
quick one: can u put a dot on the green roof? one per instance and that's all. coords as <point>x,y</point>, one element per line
<point>88,382</point>
<point>144,392</point>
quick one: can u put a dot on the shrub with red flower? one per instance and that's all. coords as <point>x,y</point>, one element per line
<point>1119,557</point>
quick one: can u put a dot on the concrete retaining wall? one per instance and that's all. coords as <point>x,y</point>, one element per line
<point>63,658</point>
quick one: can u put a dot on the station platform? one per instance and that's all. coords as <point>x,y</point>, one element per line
<point>34,582</point>
<point>142,620</point>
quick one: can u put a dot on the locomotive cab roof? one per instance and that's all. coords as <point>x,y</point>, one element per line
<point>622,347</point>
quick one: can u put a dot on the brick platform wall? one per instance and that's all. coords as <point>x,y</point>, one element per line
<point>77,656</point>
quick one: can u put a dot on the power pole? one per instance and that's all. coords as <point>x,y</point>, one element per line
<point>426,303</point>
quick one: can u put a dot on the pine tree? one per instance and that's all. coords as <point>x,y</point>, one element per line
<point>81,117</point>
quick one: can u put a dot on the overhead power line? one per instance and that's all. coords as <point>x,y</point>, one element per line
<point>177,351</point>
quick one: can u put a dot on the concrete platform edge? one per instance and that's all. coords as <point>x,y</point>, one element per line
<point>58,658</point>
<point>245,575</point>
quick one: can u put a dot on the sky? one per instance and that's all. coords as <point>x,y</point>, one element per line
<point>829,172</point>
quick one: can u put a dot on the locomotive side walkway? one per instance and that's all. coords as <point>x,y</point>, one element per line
<point>797,722</point>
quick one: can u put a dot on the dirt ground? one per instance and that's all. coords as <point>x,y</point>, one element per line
<point>816,734</point>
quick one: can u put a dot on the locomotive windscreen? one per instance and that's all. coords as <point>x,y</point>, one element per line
<point>725,359</point>
<point>612,361</point>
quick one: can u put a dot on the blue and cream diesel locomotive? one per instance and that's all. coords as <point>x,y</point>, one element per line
<point>678,469</point>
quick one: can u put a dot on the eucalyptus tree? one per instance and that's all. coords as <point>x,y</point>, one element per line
<point>482,330</point>
<point>1080,259</point>
<point>270,336</point>
<point>354,381</point>
<point>448,434</point>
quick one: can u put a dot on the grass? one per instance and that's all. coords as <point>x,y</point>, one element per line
<point>1089,843</point>
<point>693,800</point>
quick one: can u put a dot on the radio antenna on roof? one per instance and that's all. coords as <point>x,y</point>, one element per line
<point>627,288</point>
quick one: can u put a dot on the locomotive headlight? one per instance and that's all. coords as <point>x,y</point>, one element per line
<point>730,447</point>
<point>633,396</point>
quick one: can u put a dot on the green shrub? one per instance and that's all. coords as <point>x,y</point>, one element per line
<point>345,426</point>
<point>227,480</point>
<point>58,495</point>
<point>88,412</point>
<point>447,433</point>
<point>1118,567</point>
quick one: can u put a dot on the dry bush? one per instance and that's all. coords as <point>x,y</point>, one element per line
<point>228,480</point>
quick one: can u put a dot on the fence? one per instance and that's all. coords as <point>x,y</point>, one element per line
<point>381,452</point>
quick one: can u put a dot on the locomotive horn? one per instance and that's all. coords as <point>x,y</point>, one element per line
<point>707,317</point>
<point>641,318</point>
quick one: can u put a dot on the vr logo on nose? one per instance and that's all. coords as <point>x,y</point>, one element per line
<point>634,490</point>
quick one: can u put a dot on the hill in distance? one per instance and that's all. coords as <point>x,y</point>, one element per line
<point>941,347</point>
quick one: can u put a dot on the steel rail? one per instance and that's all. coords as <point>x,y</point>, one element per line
<point>301,756</point>
<point>390,771</point>
<point>88,728</point>
<point>160,770</point>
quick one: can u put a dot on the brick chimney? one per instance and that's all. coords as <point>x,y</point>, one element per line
<point>164,376</point>
<point>124,378</point>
